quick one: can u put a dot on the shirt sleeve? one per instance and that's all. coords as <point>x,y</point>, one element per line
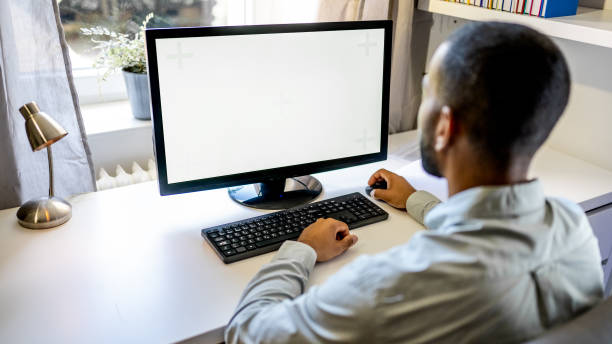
<point>420,203</point>
<point>274,310</point>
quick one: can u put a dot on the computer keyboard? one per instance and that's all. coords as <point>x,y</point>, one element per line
<point>262,234</point>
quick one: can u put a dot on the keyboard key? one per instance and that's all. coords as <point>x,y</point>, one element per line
<point>251,247</point>
<point>276,240</point>
<point>240,249</point>
<point>229,252</point>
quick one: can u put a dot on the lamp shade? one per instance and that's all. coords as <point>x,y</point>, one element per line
<point>41,129</point>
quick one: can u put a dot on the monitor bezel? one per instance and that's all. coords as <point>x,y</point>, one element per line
<point>165,188</point>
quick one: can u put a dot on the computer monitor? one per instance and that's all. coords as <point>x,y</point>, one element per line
<point>259,107</point>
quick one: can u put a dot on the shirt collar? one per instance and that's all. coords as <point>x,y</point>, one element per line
<point>492,202</point>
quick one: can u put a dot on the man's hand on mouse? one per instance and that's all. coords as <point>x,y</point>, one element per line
<point>398,189</point>
<point>328,237</point>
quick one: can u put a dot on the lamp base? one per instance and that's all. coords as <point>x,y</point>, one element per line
<point>44,212</point>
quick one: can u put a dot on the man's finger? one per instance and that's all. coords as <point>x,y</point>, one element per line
<point>381,194</point>
<point>343,230</point>
<point>380,174</point>
<point>384,174</point>
<point>348,241</point>
<point>374,177</point>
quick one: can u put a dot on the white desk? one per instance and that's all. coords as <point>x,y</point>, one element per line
<point>131,266</point>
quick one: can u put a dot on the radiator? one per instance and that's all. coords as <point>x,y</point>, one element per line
<point>121,178</point>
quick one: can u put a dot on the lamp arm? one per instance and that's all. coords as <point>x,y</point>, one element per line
<point>50,158</point>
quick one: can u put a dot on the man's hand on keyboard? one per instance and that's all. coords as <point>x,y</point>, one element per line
<point>328,237</point>
<point>398,189</point>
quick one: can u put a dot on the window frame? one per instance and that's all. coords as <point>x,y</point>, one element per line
<point>91,89</point>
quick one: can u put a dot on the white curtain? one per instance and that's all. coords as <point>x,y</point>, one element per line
<point>34,66</point>
<point>410,39</point>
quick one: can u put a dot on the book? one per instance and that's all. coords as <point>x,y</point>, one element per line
<point>536,6</point>
<point>519,6</point>
<point>559,8</point>
<point>507,5</point>
<point>527,8</point>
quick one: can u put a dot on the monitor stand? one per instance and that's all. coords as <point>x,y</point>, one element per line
<point>277,193</point>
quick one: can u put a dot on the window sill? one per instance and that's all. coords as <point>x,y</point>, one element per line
<point>92,89</point>
<point>110,117</point>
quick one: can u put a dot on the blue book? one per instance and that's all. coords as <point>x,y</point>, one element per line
<point>558,8</point>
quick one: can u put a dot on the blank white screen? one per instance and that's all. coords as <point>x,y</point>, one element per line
<point>234,104</point>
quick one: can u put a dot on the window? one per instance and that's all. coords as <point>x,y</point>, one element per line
<point>126,16</point>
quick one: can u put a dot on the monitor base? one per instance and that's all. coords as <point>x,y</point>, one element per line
<point>277,194</point>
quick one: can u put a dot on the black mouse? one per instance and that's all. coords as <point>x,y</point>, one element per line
<point>378,185</point>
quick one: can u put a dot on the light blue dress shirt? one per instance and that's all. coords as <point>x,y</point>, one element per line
<point>497,265</point>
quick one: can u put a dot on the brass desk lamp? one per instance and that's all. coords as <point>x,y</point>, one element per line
<point>51,211</point>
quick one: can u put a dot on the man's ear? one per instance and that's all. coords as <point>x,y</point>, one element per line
<point>445,128</point>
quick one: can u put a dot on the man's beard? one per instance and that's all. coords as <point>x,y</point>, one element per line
<point>428,156</point>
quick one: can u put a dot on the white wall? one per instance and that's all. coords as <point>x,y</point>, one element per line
<point>606,4</point>
<point>585,130</point>
<point>121,147</point>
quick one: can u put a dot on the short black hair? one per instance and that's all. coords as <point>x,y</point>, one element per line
<point>507,85</point>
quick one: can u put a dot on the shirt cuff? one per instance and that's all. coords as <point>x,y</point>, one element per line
<point>297,251</point>
<point>419,204</point>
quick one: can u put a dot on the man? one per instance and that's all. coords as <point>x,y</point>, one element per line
<point>499,262</point>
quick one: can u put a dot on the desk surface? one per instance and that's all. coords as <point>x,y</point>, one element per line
<point>131,266</point>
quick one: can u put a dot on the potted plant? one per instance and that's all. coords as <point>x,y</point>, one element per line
<point>121,51</point>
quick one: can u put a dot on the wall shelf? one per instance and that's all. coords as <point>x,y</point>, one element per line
<point>592,26</point>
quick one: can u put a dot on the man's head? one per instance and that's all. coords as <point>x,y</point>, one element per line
<point>496,88</point>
